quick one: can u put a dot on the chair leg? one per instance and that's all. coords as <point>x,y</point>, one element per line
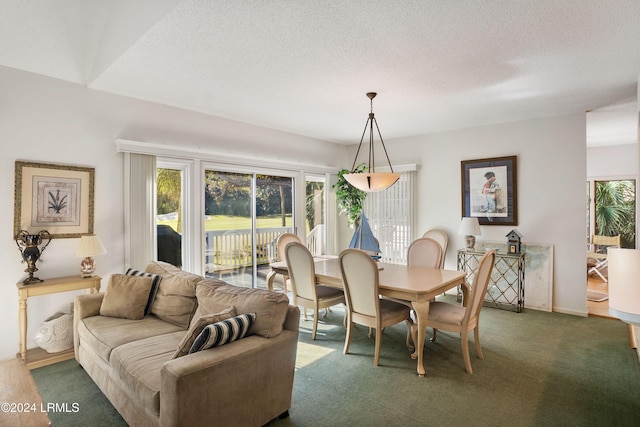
<point>315,323</point>
<point>376,355</point>
<point>464,339</point>
<point>476,337</point>
<point>433,338</point>
<point>347,340</point>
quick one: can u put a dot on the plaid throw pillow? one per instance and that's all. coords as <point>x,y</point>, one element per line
<point>223,332</point>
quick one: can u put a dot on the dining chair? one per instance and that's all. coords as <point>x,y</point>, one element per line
<point>442,238</point>
<point>306,292</point>
<point>283,240</point>
<point>364,306</point>
<point>597,261</point>
<point>462,319</point>
<point>425,252</point>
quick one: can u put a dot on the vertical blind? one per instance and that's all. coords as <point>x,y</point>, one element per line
<point>391,217</point>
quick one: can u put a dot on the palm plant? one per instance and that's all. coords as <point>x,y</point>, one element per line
<point>615,210</point>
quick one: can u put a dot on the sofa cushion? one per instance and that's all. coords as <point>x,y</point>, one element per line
<point>223,332</point>
<point>126,297</point>
<point>137,367</point>
<point>197,325</point>
<point>154,285</point>
<point>102,334</point>
<point>270,307</point>
<point>175,301</point>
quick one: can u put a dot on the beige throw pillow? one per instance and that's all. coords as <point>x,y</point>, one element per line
<point>197,325</point>
<point>126,296</point>
<point>270,307</point>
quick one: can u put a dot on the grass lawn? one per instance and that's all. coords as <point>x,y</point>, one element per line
<point>226,222</point>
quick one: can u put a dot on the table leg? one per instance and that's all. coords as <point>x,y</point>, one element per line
<point>421,309</point>
<point>270,277</point>
<point>22,323</point>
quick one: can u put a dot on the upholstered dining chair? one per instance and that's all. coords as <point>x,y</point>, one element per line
<point>306,292</point>
<point>462,319</point>
<point>283,240</point>
<point>364,305</point>
<point>442,238</point>
<point>425,252</point>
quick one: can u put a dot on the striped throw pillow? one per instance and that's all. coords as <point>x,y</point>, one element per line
<point>223,332</point>
<point>154,286</point>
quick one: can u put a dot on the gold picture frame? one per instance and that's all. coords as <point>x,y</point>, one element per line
<point>55,198</point>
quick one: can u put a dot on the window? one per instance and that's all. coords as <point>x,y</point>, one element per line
<point>613,209</point>
<point>391,217</point>
<point>244,215</point>
<point>169,215</point>
<point>315,215</point>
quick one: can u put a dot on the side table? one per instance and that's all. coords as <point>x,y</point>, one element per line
<point>37,357</point>
<point>506,285</point>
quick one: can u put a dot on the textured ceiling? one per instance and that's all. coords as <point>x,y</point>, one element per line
<point>304,66</point>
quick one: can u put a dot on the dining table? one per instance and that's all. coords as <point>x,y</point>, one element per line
<point>417,285</point>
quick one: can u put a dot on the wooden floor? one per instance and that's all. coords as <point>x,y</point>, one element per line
<point>601,309</point>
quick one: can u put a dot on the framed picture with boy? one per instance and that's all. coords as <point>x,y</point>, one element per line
<point>489,190</point>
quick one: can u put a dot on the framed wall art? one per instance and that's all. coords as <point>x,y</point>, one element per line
<point>490,190</point>
<point>52,197</point>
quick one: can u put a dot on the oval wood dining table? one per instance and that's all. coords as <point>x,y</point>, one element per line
<point>419,285</point>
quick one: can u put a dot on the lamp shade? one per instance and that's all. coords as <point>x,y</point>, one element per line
<point>470,227</point>
<point>90,246</point>
<point>624,284</point>
<point>372,181</point>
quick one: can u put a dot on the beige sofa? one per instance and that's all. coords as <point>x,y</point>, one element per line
<point>247,382</point>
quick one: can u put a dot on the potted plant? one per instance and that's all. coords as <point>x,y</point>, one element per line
<point>350,199</point>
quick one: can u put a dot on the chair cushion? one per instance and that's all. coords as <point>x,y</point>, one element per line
<point>223,332</point>
<point>446,313</point>
<point>126,297</point>
<point>390,308</point>
<point>197,325</point>
<point>328,292</point>
<point>270,307</point>
<point>175,301</point>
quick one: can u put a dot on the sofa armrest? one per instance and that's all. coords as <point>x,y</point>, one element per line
<point>292,321</point>
<point>84,306</point>
<point>246,382</point>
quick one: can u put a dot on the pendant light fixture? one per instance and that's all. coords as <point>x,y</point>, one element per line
<point>371,181</point>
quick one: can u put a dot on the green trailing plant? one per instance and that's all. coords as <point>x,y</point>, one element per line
<point>350,199</point>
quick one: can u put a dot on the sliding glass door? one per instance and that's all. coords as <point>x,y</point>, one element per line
<point>244,215</point>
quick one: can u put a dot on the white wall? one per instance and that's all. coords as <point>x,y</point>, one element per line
<point>617,161</point>
<point>551,181</point>
<point>50,121</point>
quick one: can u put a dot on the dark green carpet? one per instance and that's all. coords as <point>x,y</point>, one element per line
<point>540,369</point>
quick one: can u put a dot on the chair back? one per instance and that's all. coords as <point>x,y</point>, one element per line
<point>301,270</point>
<point>360,281</point>
<point>479,286</point>
<point>602,242</point>
<point>424,252</point>
<point>441,237</point>
<point>283,240</point>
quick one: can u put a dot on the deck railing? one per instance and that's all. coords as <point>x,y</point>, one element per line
<point>228,250</point>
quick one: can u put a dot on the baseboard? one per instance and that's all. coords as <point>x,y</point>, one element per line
<point>571,312</point>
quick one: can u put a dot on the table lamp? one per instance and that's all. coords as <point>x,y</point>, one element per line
<point>88,247</point>
<point>470,227</point>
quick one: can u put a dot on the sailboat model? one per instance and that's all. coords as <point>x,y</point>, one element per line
<point>364,239</point>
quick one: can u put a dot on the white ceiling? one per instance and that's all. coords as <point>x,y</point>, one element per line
<point>304,66</point>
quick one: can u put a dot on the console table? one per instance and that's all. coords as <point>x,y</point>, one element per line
<point>506,286</point>
<point>37,357</point>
